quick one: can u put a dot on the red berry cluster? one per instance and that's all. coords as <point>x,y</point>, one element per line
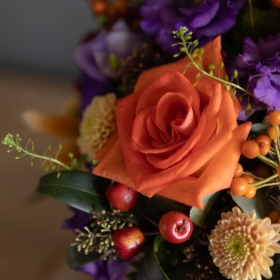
<point>128,241</point>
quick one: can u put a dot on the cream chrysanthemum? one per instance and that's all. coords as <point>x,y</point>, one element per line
<point>241,245</point>
<point>97,123</point>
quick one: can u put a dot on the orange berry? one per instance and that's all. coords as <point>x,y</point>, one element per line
<point>250,149</point>
<point>264,148</point>
<point>251,192</point>
<point>273,216</point>
<point>263,138</point>
<point>272,132</point>
<point>238,186</point>
<point>263,171</point>
<point>249,178</point>
<point>274,117</point>
<point>238,171</point>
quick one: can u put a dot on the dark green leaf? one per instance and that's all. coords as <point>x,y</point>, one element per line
<point>78,189</point>
<point>149,268</point>
<point>76,259</point>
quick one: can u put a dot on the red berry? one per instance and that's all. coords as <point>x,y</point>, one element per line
<point>175,227</point>
<point>121,197</point>
<point>128,242</point>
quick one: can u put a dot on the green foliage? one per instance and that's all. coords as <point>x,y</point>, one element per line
<point>189,48</point>
<point>29,151</point>
<point>149,267</point>
<point>78,189</point>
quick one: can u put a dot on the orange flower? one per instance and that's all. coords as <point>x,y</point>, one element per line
<point>176,140</point>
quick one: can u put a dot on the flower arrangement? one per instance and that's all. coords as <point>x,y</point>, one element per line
<point>173,162</point>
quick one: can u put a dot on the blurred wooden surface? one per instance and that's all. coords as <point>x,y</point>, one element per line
<point>33,244</point>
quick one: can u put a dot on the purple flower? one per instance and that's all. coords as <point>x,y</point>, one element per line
<point>97,56</point>
<point>259,70</point>
<point>104,270</point>
<point>206,20</point>
<point>90,88</point>
<point>78,221</point>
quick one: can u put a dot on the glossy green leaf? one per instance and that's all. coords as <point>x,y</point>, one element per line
<point>198,216</point>
<point>78,189</point>
<point>76,259</point>
<point>149,268</point>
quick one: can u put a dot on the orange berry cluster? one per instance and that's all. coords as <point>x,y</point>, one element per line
<point>243,184</point>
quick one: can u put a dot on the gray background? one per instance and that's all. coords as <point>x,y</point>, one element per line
<point>40,35</point>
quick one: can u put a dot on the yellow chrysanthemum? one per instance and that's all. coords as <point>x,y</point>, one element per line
<point>97,124</point>
<point>241,245</point>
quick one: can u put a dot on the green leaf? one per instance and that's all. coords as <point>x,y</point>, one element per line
<point>76,259</point>
<point>78,189</point>
<point>198,216</point>
<point>149,268</point>
<point>260,203</point>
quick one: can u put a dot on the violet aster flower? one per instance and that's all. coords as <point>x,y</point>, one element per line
<point>104,270</point>
<point>94,57</point>
<point>78,221</point>
<point>259,70</point>
<point>90,88</point>
<point>206,19</point>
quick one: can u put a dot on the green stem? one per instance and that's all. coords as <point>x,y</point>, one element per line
<point>267,161</point>
<point>208,75</point>
<point>53,160</point>
<point>267,185</point>
<point>265,180</point>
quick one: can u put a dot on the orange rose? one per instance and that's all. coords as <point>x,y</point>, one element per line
<point>176,140</point>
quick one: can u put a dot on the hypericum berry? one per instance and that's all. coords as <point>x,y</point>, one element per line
<point>273,216</point>
<point>251,192</point>
<point>264,148</point>
<point>175,227</point>
<point>128,242</point>
<point>250,149</point>
<point>121,197</point>
<point>238,186</point>
<point>263,171</point>
<point>271,131</point>
<point>274,117</point>
<point>248,177</point>
<point>263,138</point>
<point>238,171</point>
